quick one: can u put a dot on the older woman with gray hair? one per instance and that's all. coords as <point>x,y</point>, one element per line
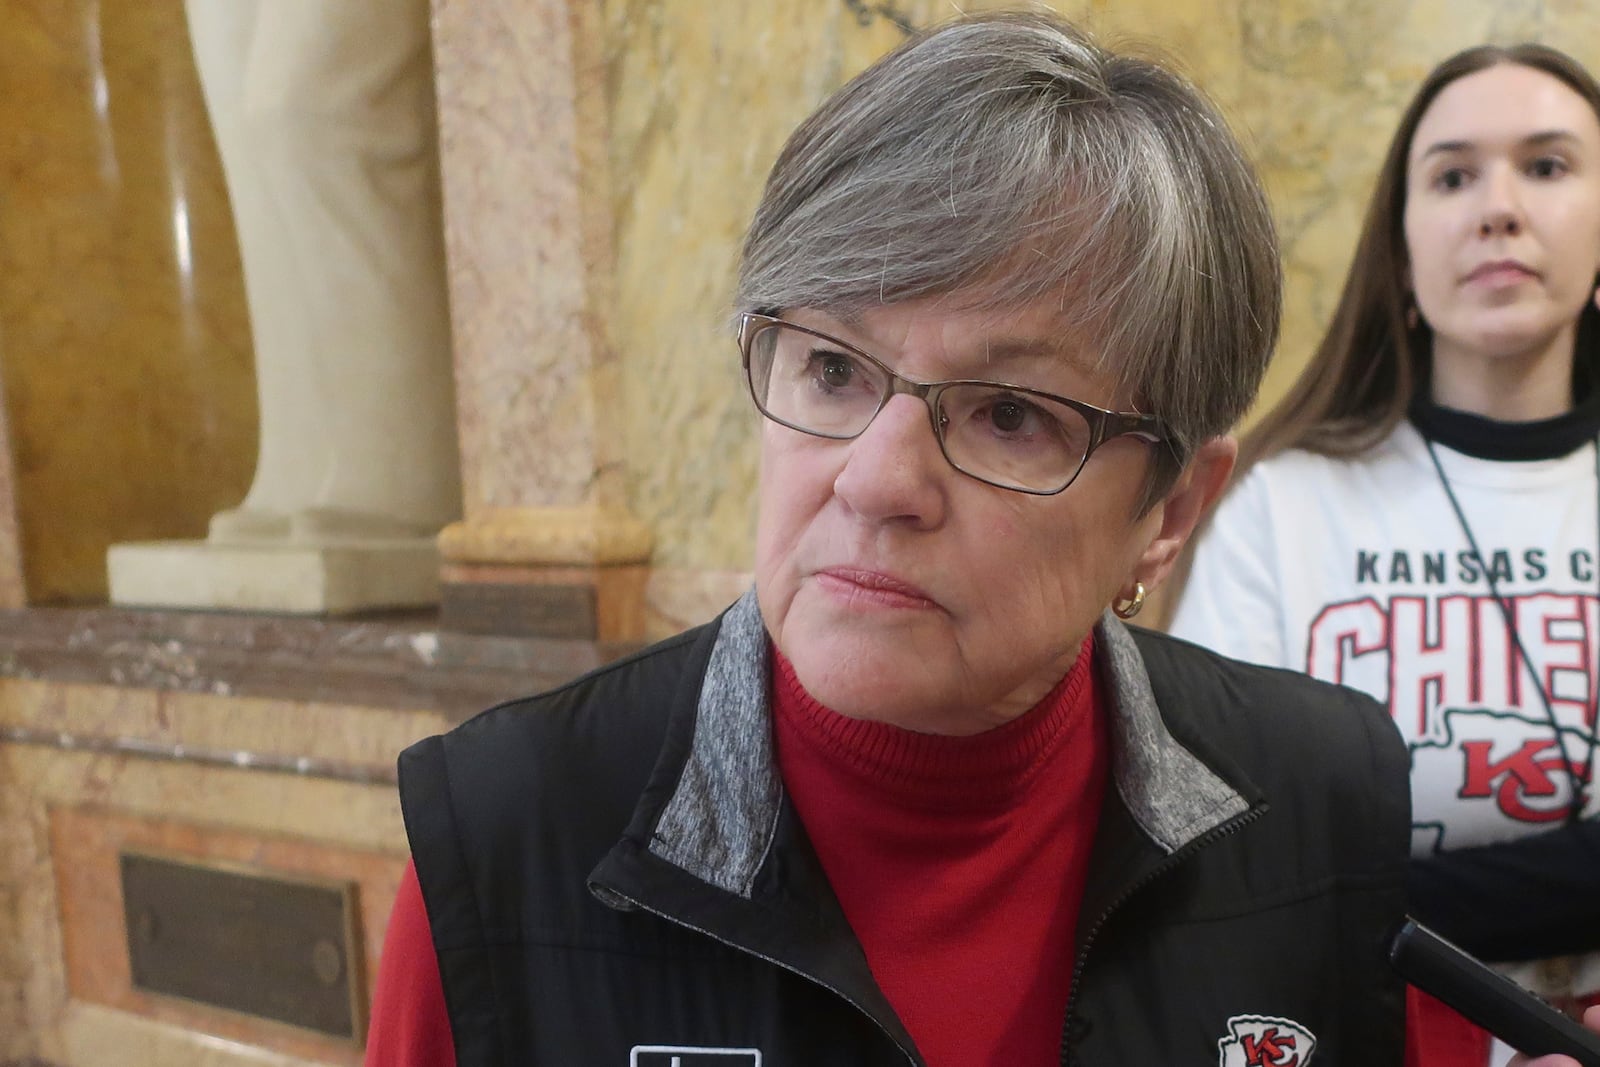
<point>920,796</point>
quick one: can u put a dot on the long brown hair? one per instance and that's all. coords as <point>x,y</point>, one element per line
<point>1356,388</point>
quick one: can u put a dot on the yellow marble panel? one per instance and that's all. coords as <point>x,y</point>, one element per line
<point>128,379</point>
<point>702,93</point>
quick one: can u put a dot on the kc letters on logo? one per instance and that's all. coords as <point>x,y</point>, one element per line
<point>692,1056</point>
<point>1259,1041</point>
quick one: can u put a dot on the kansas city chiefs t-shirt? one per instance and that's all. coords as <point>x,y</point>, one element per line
<point>1357,571</point>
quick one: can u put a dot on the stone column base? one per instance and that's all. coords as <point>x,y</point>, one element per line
<point>576,573</point>
<point>582,603</point>
<point>287,578</point>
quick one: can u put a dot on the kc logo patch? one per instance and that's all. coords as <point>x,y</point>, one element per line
<point>1260,1041</point>
<point>692,1056</point>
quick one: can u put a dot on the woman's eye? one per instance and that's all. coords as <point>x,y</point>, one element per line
<point>1009,416</point>
<point>1547,167</point>
<point>834,370</point>
<point>1017,418</point>
<point>1454,178</point>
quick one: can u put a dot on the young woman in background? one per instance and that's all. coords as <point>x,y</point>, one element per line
<point>1418,518</point>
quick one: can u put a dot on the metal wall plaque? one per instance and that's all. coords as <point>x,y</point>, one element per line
<point>235,938</point>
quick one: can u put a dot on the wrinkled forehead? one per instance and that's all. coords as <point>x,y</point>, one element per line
<point>1002,318</point>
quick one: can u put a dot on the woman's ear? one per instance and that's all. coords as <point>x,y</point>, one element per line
<point>1202,482</point>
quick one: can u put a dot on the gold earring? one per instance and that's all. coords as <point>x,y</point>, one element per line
<point>1128,607</point>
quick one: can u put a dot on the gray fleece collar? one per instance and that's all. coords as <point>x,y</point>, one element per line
<point>721,819</point>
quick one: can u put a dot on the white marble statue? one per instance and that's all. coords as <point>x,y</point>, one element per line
<point>324,117</point>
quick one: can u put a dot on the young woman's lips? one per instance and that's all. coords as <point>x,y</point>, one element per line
<point>869,588</point>
<point>1501,272</point>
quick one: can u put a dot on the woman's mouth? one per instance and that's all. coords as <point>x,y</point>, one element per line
<point>869,588</point>
<point>1501,272</point>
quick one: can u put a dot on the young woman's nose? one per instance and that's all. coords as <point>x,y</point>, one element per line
<point>1502,205</point>
<point>895,470</point>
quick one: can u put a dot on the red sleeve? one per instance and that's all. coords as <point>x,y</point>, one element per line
<point>1437,1037</point>
<point>410,1026</point>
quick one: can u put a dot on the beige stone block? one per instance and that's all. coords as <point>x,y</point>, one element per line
<point>95,1036</point>
<point>290,728</point>
<point>580,535</point>
<point>91,709</point>
<point>298,579</point>
<point>317,809</point>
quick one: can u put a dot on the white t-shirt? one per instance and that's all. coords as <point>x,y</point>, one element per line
<point>1357,571</point>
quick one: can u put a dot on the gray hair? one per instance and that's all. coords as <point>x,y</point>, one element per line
<point>1005,158</point>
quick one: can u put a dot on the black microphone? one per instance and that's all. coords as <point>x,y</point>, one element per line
<point>1488,998</point>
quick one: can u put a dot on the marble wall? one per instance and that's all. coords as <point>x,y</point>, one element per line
<point>702,93</point>
<point>126,354</point>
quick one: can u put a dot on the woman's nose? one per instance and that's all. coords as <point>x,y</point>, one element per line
<point>1502,207</point>
<point>895,470</point>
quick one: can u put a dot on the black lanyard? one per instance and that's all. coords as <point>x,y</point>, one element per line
<point>1577,776</point>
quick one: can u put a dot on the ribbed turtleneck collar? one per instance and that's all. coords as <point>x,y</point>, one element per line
<point>1485,438</point>
<point>978,771</point>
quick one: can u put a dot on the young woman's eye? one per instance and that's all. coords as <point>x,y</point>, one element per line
<point>1451,179</point>
<point>1547,167</point>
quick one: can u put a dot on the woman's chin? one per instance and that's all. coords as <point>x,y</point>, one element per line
<point>861,688</point>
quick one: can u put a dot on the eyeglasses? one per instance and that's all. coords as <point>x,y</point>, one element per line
<point>1005,435</point>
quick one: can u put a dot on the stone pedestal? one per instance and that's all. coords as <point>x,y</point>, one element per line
<point>325,579</point>
<point>546,572</point>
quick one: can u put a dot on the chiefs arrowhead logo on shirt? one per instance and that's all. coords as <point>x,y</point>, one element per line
<point>1260,1041</point>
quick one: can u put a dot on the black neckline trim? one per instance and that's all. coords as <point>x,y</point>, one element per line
<point>1518,442</point>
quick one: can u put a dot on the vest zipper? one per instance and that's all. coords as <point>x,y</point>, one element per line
<point>910,1056</point>
<point>1216,833</point>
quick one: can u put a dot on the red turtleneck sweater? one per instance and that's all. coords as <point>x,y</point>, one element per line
<point>959,861</point>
